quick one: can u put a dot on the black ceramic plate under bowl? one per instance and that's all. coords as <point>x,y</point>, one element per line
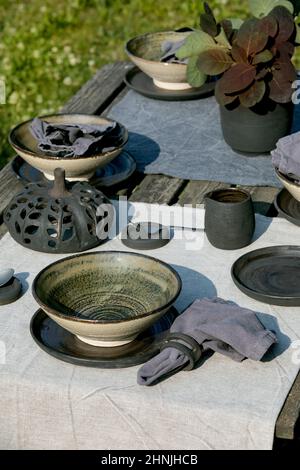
<point>288,207</point>
<point>270,275</point>
<point>63,345</point>
<point>143,84</point>
<point>120,169</point>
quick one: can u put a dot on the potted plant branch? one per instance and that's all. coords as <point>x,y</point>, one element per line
<point>253,59</point>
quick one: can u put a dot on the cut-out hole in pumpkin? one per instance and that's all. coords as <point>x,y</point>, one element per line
<point>67,219</point>
<point>91,229</point>
<point>23,214</point>
<point>31,229</point>
<point>8,216</point>
<point>68,233</point>
<point>52,232</point>
<point>41,206</point>
<point>13,207</point>
<point>34,216</point>
<point>52,219</point>
<point>17,227</point>
<point>22,200</point>
<point>51,244</point>
<point>27,241</point>
<point>55,209</point>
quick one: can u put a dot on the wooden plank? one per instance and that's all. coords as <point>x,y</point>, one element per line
<point>286,422</point>
<point>263,198</point>
<point>157,189</point>
<point>9,185</point>
<point>98,93</point>
<point>195,191</point>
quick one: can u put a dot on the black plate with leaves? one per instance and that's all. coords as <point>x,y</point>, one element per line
<point>143,84</point>
<point>63,345</point>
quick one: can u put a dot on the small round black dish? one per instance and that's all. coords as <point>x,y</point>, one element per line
<point>145,236</point>
<point>11,291</point>
<point>117,171</point>
<point>288,207</point>
<point>270,275</point>
<point>63,345</point>
<point>143,84</point>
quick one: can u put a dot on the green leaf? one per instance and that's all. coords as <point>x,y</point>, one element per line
<point>195,43</point>
<point>194,76</point>
<point>222,39</point>
<point>214,61</point>
<point>236,23</point>
<point>262,57</point>
<point>253,95</point>
<point>261,8</point>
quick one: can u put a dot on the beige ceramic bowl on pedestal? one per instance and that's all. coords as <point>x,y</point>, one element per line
<point>77,168</point>
<point>145,52</point>
<point>107,298</point>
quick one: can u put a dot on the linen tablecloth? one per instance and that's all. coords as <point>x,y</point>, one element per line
<point>49,404</point>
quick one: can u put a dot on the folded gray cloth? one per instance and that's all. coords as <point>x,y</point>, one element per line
<point>217,325</point>
<point>286,156</point>
<point>169,49</point>
<point>69,140</point>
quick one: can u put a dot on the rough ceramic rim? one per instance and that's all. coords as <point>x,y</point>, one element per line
<point>147,314</point>
<point>286,179</point>
<point>236,190</point>
<point>266,251</point>
<point>166,64</point>
<point>12,142</point>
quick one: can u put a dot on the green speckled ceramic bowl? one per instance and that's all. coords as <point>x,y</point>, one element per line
<point>145,52</point>
<point>107,298</point>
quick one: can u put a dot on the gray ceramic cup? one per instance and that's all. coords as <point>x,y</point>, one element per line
<point>229,218</point>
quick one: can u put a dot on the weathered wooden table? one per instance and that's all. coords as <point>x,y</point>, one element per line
<point>97,96</point>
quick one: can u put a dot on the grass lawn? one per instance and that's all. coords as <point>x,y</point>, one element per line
<point>49,48</point>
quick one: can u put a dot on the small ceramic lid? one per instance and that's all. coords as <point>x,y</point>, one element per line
<point>145,236</point>
<point>11,291</point>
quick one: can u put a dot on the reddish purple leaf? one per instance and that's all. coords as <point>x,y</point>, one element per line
<point>221,97</point>
<point>238,78</point>
<point>286,24</point>
<point>269,25</point>
<point>253,95</point>
<point>239,54</point>
<point>251,38</point>
<point>287,69</point>
<point>214,61</point>
<point>280,88</point>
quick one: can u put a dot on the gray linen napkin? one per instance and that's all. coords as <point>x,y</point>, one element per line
<point>70,140</point>
<point>169,49</point>
<point>217,325</point>
<point>286,156</point>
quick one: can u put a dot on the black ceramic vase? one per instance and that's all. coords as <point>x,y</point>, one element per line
<point>256,130</point>
<point>229,218</point>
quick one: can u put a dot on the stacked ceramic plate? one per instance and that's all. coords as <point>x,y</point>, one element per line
<point>287,201</point>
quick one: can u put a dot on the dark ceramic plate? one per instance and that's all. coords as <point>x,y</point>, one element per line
<point>63,345</point>
<point>270,275</point>
<point>143,84</point>
<point>288,207</point>
<point>120,169</point>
